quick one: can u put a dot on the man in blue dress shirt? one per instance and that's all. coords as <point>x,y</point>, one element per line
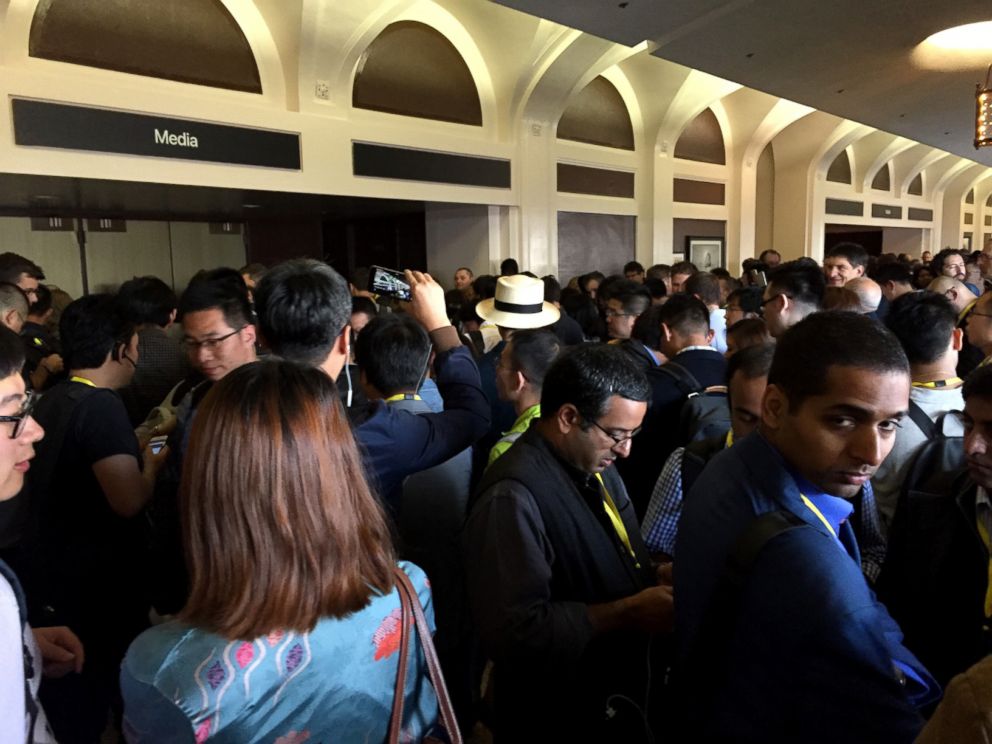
<point>803,651</point>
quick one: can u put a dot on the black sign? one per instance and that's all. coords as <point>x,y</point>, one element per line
<point>383,161</point>
<point>43,124</point>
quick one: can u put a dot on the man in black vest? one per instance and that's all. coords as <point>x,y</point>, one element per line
<point>561,586</point>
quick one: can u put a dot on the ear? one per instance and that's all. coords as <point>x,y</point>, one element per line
<point>519,382</point>
<point>957,339</point>
<point>567,418</point>
<point>341,343</point>
<point>666,332</point>
<point>172,316</point>
<point>709,336</point>
<point>774,407</point>
<point>859,270</point>
<point>10,318</point>
<point>251,334</point>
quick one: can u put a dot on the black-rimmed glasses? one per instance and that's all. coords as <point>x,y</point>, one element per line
<point>20,419</point>
<point>209,343</point>
<point>618,439</point>
<point>775,297</point>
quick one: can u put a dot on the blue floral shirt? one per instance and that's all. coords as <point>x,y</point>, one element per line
<point>335,683</point>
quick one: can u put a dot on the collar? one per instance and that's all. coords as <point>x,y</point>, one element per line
<point>968,308</point>
<point>527,416</point>
<point>698,348</point>
<point>833,509</point>
<point>982,497</point>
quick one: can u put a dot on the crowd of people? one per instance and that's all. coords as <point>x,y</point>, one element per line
<point>662,505</point>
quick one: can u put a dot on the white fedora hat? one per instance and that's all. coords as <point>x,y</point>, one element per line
<point>519,303</point>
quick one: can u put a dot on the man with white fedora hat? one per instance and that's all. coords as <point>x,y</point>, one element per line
<point>518,304</point>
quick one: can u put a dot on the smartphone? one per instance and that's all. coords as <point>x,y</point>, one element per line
<point>758,278</point>
<point>389,282</point>
<point>157,443</point>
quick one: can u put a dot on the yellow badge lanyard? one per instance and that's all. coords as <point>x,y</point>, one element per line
<point>984,534</point>
<point>812,507</point>
<point>936,384</point>
<point>614,514</point>
<point>402,396</point>
<point>83,380</point>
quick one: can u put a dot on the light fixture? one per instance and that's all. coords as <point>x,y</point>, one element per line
<point>983,113</point>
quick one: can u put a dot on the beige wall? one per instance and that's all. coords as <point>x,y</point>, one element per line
<point>56,252</point>
<point>457,235</point>
<point>902,240</point>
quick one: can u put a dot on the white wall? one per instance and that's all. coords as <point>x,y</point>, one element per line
<point>902,240</point>
<point>56,252</point>
<point>195,248</point>
<point>114,257</point>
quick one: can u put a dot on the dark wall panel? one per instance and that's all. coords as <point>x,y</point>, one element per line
<point>845,207</point>
<point>924,215</point>
<point>699,192</point>
<point>598,116</point>
<point>382,161</point>
<point>579,179</point>
<point>702,140</point>
<point>886,211</point>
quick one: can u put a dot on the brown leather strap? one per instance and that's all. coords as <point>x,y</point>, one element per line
<point>399,693</point>
<point>433,665</point>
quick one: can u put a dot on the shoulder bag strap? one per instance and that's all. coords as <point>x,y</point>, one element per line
<point>433,665</point>
<point>920,418</point>
<point>399,694</point>
<point>686,381</point>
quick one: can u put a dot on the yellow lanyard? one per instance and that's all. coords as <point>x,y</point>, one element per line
<point>729,441</point>
<point>402,396</point>
<point>984,533</point>
<point>934,384</point>
<point>83,380</point>
<point>818,513</point>
<point>614,514</point>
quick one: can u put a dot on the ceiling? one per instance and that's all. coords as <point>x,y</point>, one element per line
<point>851,58</point>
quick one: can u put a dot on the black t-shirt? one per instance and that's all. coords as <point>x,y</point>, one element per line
<point>85,545</point>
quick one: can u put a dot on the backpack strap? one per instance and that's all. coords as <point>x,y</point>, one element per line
<point>920,418</point>
<point>686,381</point>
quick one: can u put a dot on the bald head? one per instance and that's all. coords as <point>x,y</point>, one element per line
<point>954,290</point>
<point>868,292</point>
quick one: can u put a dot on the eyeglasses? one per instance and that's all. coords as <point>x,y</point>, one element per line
<point>618,439</point>
<point>209,343</point>
<point>20,419</point>
<point>774,297</point>
<point>617,314</point>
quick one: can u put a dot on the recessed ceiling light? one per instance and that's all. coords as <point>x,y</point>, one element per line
<point>251,206</point>
<point>956,48</point>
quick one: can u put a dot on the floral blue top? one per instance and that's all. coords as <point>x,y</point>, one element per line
<point>335,683</point>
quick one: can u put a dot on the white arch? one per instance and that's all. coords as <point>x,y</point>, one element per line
<point>884,158</point>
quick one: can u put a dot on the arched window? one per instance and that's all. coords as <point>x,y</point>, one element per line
<point>413,70</point>
<point>702,140</point>
<point>191,41</point>
<point>882,179</point>
<point>969,198</point>
<point>840,169</point>
<point>599,116</point>
<point>916,185</point>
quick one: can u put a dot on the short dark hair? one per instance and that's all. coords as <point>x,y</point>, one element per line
<point>360,304</point>
<point>937,265</point>
<point>220,289</point>
<point>532,352</point>
<point>806,352</point>
<point>685,314</point>
<point>656,288</point>
<point>484,286</point>
<point>466,269</point>
<point>647,328</point>
<point>801,280</point>
<point>894,271</point>
<point>13,265</point>
<point>302,305</point>
<point>749,298</point>
<point>147,299</point>
<point>587,376</point>
<point>634,302</point>
<point>923,323</point>
<point>659,271</point>
<point>392,351</point>
<point>753,361</point>
<point>91,328</point>
<point>552,288</point>
<point>749,332</point>
<point>11,353</point>
<point>769,252</point>
<point>43,301</point>
<point>978,383</point>
<point>12,297</point>
<point>509,267</point>
<point>705,286</point>
<point>855,253</point>
<point>684,267</point>
<point>633,266</point>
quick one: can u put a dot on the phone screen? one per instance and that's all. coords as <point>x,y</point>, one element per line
<point>157,443</point>
<point>389,282</point>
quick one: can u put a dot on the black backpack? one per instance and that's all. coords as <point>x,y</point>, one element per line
<point>705,412</point>
<point>939,461</point>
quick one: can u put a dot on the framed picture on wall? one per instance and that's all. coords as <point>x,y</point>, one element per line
<point>705,253</point>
